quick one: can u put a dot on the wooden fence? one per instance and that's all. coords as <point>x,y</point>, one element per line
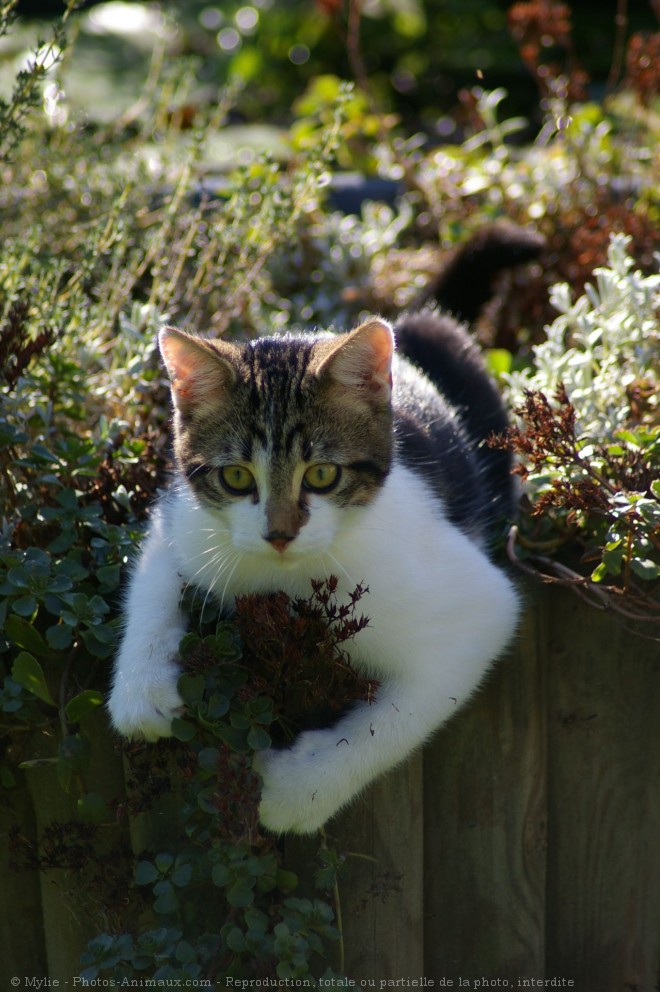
<point>521,849</point>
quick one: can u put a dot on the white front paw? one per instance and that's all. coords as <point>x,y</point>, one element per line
<point>143,706</point>
<point>298,794</point>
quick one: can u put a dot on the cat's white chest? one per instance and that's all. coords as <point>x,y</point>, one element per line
<point>432,592</point>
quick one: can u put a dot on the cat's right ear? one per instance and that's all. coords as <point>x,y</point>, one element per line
<point>200,376</point>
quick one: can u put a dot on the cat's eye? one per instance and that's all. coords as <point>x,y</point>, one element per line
<point>321,478</point>
<point>237,479</point>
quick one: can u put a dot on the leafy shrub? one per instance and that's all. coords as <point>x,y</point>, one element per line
<point>257,926</point>
<point>589,439</point>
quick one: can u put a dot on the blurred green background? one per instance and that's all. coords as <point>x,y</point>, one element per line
<point>416,54</point>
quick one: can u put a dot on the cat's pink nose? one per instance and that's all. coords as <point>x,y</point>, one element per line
<point>279,540</point>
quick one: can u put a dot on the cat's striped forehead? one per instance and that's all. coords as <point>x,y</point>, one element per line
<point>280,395</point>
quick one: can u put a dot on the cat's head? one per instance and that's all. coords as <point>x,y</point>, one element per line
<point>281,436</point>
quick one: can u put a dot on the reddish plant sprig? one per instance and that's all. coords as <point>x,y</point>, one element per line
<point>537,26</point>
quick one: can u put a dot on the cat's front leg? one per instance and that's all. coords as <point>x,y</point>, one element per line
<point>144,697</point>
<point>306,784</point>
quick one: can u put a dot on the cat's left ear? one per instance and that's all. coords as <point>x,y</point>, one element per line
<point>362,361</point>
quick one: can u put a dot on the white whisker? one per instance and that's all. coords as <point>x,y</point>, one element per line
<point>228,580</point>
<point>328,554</point>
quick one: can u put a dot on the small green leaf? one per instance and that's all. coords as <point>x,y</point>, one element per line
<point>25,606</point>
<point>166,899</point>
<point>240,894</point>
<point>185,952</point>
<point>258,739</point>
<point>287,881</point>
<point>498,361</point>
<point>28,672</point>
<point>82,704</point>
<point>188,644</point>
<point>208,759</point>
<point>645,568</point>
<point>613,557</point>
<point>191,688</point>
<point>220,875</point>
<point>235,940</point>
<point>181,875</point>
<point>235,739</point>
<point>183,730</point>
<point>164,863</point>
<point>59,637</point>
<point>92,808</point>
<point>7,779</point>
<point>146,873</point>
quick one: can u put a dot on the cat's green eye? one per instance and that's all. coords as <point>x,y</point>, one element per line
<point>321,478</point>
<point>237,479</point>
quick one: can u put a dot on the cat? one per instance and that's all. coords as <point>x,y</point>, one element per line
<point>303,456</point>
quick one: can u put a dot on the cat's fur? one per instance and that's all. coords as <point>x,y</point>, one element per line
<point>417,502</point>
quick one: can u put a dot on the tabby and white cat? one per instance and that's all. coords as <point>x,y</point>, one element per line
<point>302,457</point>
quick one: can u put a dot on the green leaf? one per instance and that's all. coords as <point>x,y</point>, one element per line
<point>25,606</point>
<point>287,881</point>
<point>258,739</point>
<point>92,808</point>
<point>100,645</point>
<point>235,940</point>
<point>109,575</point>
<point>645,568</point>
<point>183,730</point>
<point>166,899</point>
<point>191,688</point>
<point>188,643</point>
<point>498,361</point>
<point>164,863</point>
<point>185,952</point>
<point>146,873</point>
<point>181,875</point>
<point>613,557</point>
<point>59,637</point>
<point>24,635</point>
<point>208,759</point>
<point>240,894</point>
<point>27,671</point>
<point>235,739</point>
<point>7,779</point>
<point>82,704</point>
<point>220,875</point>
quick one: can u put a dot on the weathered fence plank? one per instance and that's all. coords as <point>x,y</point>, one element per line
<point>21,930</point>
<point>65,922</point>
<point>485,826</point>
<point>604,800</point>
<point>382,898</point>
<point>70,913</point>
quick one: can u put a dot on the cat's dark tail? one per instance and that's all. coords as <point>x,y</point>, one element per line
<point>436,343</point>
<point>444,351</point>
<point>466,281</point>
